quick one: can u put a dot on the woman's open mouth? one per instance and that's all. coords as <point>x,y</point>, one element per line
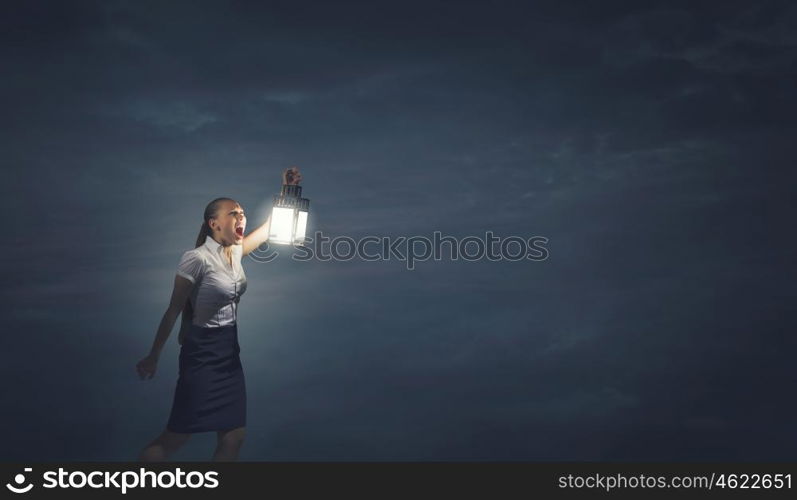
<point>239,231</point>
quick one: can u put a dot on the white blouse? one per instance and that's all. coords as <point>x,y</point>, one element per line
<point>217,287</point>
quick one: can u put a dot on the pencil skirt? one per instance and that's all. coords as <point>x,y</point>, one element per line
<point>211,391</point>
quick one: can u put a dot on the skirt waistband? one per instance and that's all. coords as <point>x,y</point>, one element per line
<point>215,328</point>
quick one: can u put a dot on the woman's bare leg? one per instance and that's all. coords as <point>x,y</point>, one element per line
<point>229,442</point>
<point>163,446</point>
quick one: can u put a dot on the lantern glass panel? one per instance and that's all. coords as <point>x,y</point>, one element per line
<point>281,225</point>
<point>301,227</point>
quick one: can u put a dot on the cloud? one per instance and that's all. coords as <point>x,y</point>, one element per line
<point>171,115</point>
<point>755,39</point>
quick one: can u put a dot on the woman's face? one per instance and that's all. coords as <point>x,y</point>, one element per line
<point>229,223</point>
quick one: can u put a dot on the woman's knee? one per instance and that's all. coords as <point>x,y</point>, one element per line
<point>162,446</point>
<point>173,440</point>
<point>233,438</point>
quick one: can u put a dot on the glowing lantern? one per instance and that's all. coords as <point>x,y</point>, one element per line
<point>289,216</point>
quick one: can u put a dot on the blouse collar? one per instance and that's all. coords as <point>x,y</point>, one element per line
<point>212,244</point>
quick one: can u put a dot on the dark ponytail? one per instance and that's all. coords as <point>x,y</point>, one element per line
<point>204,231</point>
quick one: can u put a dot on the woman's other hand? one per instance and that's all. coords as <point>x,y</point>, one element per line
<point>291,176</point>
<point>147,366</point>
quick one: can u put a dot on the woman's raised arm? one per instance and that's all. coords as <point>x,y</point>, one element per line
<point>257,237</point>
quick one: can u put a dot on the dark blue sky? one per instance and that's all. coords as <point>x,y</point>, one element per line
<point>653,143</point>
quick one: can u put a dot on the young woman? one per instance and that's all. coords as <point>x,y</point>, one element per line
<point>211,392</point>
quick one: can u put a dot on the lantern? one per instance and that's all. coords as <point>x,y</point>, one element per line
<point>289,216</point>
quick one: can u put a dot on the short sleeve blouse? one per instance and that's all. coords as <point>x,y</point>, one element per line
<point>217,286</point>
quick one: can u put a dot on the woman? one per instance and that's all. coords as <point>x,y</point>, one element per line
<point>211,392</point>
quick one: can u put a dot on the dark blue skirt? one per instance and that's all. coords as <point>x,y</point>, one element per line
<point>211,392</point>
